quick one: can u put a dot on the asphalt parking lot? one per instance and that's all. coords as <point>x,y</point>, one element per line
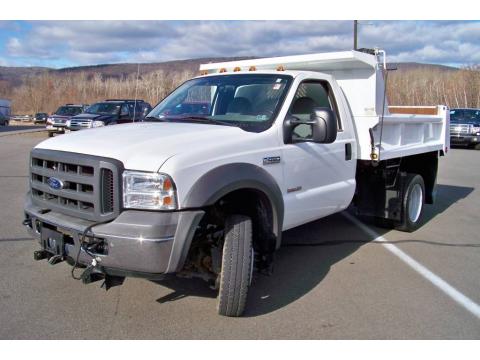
<point>9,128</point>
<point>333,279</point>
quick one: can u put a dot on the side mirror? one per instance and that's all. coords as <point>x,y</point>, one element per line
<point>322,127</point>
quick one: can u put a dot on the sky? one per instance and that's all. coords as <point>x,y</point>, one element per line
<point>60,44</point>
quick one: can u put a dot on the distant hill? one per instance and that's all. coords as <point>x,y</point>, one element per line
<point>14,76</point>
<point>416,66</point>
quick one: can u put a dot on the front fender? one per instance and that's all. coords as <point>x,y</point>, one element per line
<point>225,179</point>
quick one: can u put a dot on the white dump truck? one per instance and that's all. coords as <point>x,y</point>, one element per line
<point>228,161</point>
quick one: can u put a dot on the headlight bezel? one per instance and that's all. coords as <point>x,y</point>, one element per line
<point>96,124</point>
<point>138,196</point>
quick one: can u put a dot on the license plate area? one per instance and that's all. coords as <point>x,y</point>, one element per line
<point>53,241</point>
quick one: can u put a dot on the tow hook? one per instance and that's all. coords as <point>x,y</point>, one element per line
<point>43,254</point>
<point>40,255</point>
<point>55,259</point>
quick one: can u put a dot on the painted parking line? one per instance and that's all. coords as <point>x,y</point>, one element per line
<point>441,284</point>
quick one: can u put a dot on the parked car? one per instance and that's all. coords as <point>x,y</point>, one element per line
<point>40,118</point>
<point>109,112</point>
<point>206,192</point>
<point>57,122</point>
<point>465,127</point>
<point>22,118</point>
<point>4,119</point>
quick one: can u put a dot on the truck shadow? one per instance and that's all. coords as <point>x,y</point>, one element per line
<point>306,256</point>
<point>447,195</point>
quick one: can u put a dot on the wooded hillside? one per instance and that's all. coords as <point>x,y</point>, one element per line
<point>43,90</point>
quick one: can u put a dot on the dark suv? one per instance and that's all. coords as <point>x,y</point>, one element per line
<point>465,127</point>
<point>40,118</point>
<point>57,122</point>
<point>110,112</point>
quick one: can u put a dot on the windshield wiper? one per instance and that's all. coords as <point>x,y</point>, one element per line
<point>207,120</point>
<point>147,118</point>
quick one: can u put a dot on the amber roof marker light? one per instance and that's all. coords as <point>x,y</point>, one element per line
<point>280,68</point>
<point>237,68</point>
<point>223,70</point>
<point>252,68</point>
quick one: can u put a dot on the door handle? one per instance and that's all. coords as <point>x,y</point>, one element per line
<point>348,151</point>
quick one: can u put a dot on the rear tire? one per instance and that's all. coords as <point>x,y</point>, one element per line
<point>412,203</point>
<point>237,263</point>
<point>476,146</point>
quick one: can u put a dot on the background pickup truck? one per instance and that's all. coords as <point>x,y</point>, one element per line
<point>465,127</point>
<point>207,190</point>
<point>57,122</point>
<point>110,112</point>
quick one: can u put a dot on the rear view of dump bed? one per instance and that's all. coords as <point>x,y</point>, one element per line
<point>404,131</point>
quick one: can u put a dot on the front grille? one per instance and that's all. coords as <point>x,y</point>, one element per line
<point>108,195</point>
<point>80,124</point>
<point>79,185</point>
<point>460,129</point>
<point>59,122</point>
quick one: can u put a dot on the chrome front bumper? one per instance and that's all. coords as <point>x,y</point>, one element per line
<point>144,242</point>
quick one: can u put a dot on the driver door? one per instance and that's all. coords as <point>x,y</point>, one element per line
<point>319,178</point>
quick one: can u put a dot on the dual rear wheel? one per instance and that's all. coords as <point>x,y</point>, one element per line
<point>411,207</point>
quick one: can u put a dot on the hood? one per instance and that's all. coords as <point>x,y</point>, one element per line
<point>143,146</point>
<point>60,117</point>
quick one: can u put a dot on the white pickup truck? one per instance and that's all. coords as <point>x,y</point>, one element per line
<point>228,161</point>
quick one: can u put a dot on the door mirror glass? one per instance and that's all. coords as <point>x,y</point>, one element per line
<point>324,125</point>
<point>320,128</point>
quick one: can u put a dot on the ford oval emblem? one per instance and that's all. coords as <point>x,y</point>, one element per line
<point>55,184</point>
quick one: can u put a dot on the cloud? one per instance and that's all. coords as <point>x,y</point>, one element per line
<point>93,42</point>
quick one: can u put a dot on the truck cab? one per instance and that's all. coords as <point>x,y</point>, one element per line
<point>226,163</point>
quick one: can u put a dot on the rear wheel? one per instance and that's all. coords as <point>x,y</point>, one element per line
<point>476,146</point>
<point>237,266</point>
<point>412,203</point>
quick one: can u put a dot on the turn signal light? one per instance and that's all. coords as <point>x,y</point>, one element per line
<point>167,184</point>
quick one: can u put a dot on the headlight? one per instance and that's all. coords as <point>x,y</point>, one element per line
<point>67,123</point>
<point>476,129</point>
<point>153,191</point>
<point>97,124</point>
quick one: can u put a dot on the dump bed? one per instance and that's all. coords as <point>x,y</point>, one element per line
<point>361,76</point>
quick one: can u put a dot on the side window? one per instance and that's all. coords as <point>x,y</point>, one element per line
<point>124,111</point>
<point>309,95</point>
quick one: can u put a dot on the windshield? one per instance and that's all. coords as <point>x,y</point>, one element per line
<point>104,108</point>
<point>465,116</point>
<point>249,101</point>
<point>68,110</point>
